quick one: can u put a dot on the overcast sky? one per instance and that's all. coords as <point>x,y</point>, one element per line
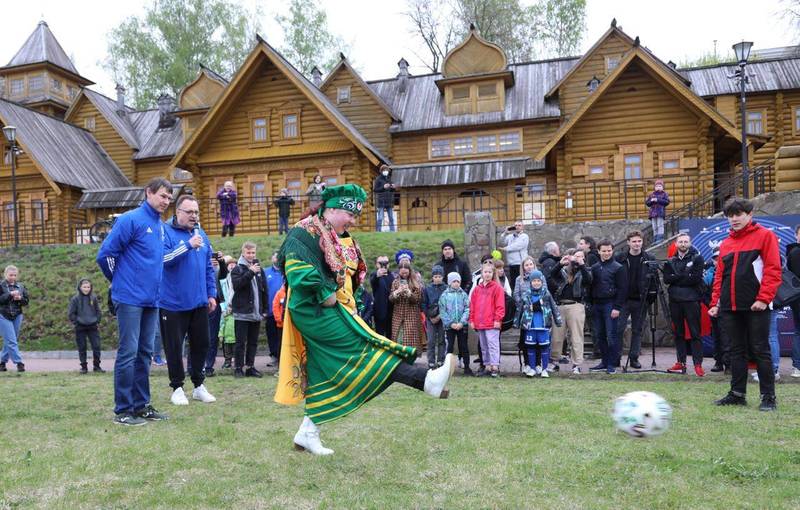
<point>378,32</point>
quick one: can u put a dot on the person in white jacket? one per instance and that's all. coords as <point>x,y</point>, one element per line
<point>516,249</point>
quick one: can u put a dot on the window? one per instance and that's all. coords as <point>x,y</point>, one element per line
<point>343,94</point>
<point>259,129</point>
<point>461,93</point>
<point>479,144</point>
<point>796,119</point>
<point>670,163</point>
<point>55,85</point>
<point>462,146</point>
<point>462,99</point>
<point>6,155</point>
<point>487,143</point>
<point>440,148</point>
<point>331,176</point>
<point>89,123</point>
<point>597,169</point>
<point>612,61</point>
<point>294,183</point>
<point>487,90</point>
<point>592,168</point>
<point>8,213</point>
<point>755,122</point>
<point>72,92</point>
<point>510,141</point>
<point>2,86</point>
<point>17,87</point>
<point>258,192</point>
<point>289,122</point>
<point>38,211</point>
<point>633,166</point>
<point>35,83</point>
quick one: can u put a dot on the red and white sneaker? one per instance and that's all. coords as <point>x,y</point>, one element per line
<point>698,370</point>
<point>677,368</point>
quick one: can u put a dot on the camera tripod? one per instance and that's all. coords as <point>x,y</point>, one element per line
<point>654,297</point>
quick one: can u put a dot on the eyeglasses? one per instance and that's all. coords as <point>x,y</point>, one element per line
<point>190,213</point>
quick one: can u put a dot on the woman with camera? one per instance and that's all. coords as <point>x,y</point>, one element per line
<point>572,280</point>
<point>13,296</point>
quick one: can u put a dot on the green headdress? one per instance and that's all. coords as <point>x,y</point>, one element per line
<point>350,197</point>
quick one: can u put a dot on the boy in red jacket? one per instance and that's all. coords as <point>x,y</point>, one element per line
<point>747,277</point>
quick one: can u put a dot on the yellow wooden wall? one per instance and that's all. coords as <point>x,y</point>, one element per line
<point>574,90</point>
<point>48,75</point>
<point>202,93</point>
<point>108,138</point>
<point>146,170</point>
<point>362,110</point>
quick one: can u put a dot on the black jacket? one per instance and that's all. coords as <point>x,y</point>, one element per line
<point>609,283</point>
<point>547,264</point>
<point>284,204</point>
<point>645,271</point>
<point>383,197</point>
<point>592,257</point>
<point>381,287</point>
<point>581,283</point>
<point>243,299</point>
<point>221,275</point>
<point>685,277</point>
<point>793,258</point>
<point>9,307</point>
<point>430,299</point>
<point>84,309</point>
<point>456,265</point>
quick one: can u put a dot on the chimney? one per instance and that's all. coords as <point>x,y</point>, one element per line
<point>402,75</point>
<point>166,105</point>
<point>672,64</point>
<point>316,76</point>
<point>120,99</point>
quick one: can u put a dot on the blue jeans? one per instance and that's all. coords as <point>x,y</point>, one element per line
<point>283,225</point>
<point>774,345</point>
<point>158,346</point>
<point>9,330</point>
<point>379,218</point>
<point>137,327</point>
<point>796,341</point>
<point>213,337</point>
<point>605,333</point>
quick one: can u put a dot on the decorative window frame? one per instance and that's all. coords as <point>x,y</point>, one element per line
<point>252,117</point>
<point>284,111</point>
<point>28,199</point>
<point>795,116</point>
<point>262,179</point>
<point>90,123</point>
<point>474,103</point>
<point>763,112</point>
<point>474,137</point>
<point>344,94</point>
<point>588,164</point>
<point>665,156</point>
<point>646,165</point>
<point>608,59</point>
<point>295,175</point>
<point>16,81</point>
<point>331,172</point>
<point>36,78</point>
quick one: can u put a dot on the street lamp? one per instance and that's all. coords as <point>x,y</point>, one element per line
<point>11,135</point>
<point>742,50</point>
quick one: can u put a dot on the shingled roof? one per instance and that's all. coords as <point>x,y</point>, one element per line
<point>40,47</point>
<point>764,76</point>
<point>64,153</point>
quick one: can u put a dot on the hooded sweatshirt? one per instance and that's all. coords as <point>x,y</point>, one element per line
<point>84,309</point>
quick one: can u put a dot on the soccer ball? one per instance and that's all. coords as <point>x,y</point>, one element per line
<point>641,414</point>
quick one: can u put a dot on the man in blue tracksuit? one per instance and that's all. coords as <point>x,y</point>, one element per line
<point>274,279</point>
<point>131,258</point>
<point>188,294</point>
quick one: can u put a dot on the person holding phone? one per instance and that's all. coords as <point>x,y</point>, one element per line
<point>249,308</point>
<point>381,282</point>
<point>516,249</point>
<point>406,296</point>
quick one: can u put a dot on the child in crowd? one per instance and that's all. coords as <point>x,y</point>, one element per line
<point>405,296</point>
<point>454,314</point>
<point>538,313</point>
<point>227,329</point>
<point>501,275</point>
<point>433,320</point>
<point>365,304</point>
<point>84,314</point>
<point>657,202</point>
<point>487,307</point>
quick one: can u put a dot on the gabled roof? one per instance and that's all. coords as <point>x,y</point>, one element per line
<point>63,153</point>
<point>344,64</point>
<point>313,94</point>
<point>679,87</point>
<point>613,30</point>
<point>108,109</point>
<point>763,76</point>
<point>40,47</point>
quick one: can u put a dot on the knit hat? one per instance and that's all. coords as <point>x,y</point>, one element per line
<point>536,275</point>
<point>453,277</point>
<point>448,242</point>
<point>437,270</point>
<point>350,197</point>
<point>403,254</point>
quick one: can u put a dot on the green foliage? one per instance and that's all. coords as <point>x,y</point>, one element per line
<point>493,444</point>
<point>51,274</point>
<point>308,42</point>
<point>707,59</point>
<point>561,25</point>
<point>161,51</point>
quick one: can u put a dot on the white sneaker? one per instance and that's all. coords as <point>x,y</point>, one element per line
<point>538,370</point>
<point>545,374</point>
<point>178,398</point>
<point>576,370</point>
<point>755,376</point>
<point>777,375</point>
<point>436,379</point>
<point>201,393</point>
<point>460,363</point>
<point>796,372</point>
<point>307,439</point>
<point>528,371</point>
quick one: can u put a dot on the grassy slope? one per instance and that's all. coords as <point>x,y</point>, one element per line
<point>508,443</point>
<point>51,273</point>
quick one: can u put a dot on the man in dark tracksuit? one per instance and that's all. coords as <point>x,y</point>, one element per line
<point>635,263</point>
<point>609,293</point>
<point>684,275</point>
<point>747,277</point>
<point>188,295</point>
<point>381,282</point>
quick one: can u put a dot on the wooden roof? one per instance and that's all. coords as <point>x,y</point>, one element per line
<point>239,81</point>
<point>681,90</point>
<point>344,64</point>
<point>42,47</point>
<point>122,197</point>
<point>448,173</point>
<point>764,76</point>
<point>63,153</point>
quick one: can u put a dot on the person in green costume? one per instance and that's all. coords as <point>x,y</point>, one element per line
<point>330,357</point>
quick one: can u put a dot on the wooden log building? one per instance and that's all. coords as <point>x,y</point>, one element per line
<point>558,140</point>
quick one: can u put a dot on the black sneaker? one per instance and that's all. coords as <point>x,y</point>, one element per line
<point>210,372</point>
<point>253,372</point>
<point>718,368</point>
<point>238,373</point>
<point>129,419</point>
<point>98,369</point>
<point>563,360</point>
<point>634,362</point>
<point>468,372</point>
<point>768,403</point>
<point>227,364</point>
<point>731,400</point>
<point>83,370</point>
<point>149,413</point>
<point>20,367</point>
<point>599,368</point>
<point>3,367</point>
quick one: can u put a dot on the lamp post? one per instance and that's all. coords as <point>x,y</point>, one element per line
<point>11,135</point>
<point>742,50</point>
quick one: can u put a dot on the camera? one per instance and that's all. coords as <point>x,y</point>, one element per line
<point>256,261</point>
<point>383,264</point>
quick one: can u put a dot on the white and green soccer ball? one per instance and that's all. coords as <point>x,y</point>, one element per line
<point>642,414</point>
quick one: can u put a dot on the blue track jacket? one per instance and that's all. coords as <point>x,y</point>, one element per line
<point>189,278</point>
<point>131,257</point>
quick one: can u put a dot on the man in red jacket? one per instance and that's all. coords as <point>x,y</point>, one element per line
<point>747,277</point>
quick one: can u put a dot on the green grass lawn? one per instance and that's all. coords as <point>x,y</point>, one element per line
<point>507,443</point>
<point>51,274</point>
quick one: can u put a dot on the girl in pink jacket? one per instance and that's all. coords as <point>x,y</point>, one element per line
<point>487,307</point>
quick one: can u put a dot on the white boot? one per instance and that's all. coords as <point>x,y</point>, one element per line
<point>307,438</point>
<point>436,380</point>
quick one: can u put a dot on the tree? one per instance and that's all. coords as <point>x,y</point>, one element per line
<point>308,42</point>
<point>506,23</point>
<point>161,51</point>
<point>436,28</point>
<point>561,25</point>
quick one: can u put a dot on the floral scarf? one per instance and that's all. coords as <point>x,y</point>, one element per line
<point>334,251</point>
